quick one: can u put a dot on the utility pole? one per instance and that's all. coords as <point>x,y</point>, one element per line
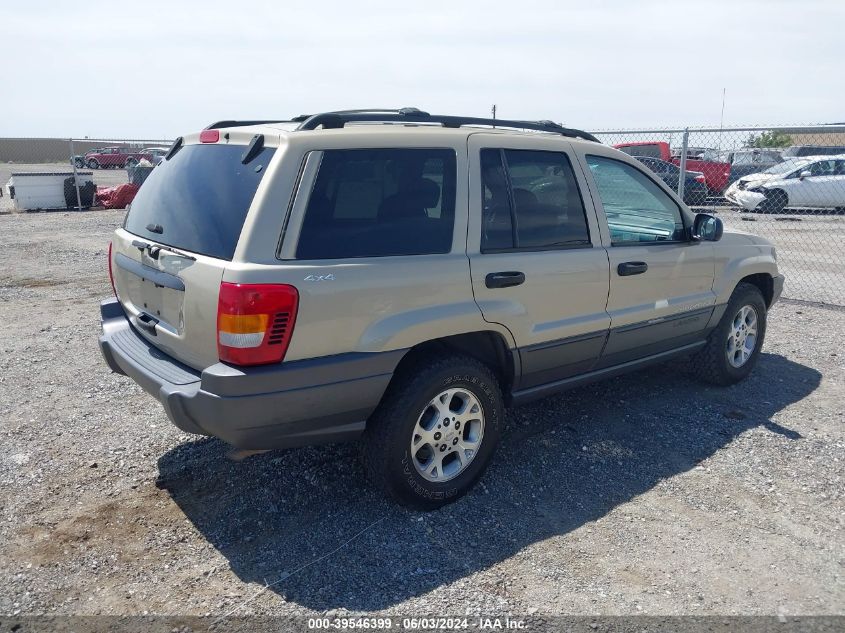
<point>493,110</point>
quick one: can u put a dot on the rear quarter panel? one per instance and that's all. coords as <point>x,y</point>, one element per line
<point>369,304</point>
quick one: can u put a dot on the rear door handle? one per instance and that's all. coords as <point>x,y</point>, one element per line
<point>504,279</point>
<point>631,268</point>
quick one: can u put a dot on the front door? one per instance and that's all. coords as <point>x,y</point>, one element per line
<point>537,263</point>
<point>822,188</point>
<point>661,283</point>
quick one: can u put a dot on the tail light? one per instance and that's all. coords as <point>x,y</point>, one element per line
<point>209,136</point>
<point>111,272</point>
<point>700,178</point>
<point>255,322</point>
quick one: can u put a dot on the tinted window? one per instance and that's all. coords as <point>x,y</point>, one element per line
<point>199,198</point>
<point>531,201</point>
<point>823,168</point>
<point>379,202</point>
<point>637,209</point>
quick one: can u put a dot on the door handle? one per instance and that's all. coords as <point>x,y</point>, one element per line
<point>504,279</point>
<point>631,268</point>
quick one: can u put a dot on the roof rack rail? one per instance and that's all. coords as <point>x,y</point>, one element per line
<point>338,119</point>
<point>219,124</point>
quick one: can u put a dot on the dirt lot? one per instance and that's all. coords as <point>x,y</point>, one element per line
<point>646,494</point>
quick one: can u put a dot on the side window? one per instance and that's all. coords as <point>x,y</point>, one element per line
<point>531,201</point>
<point>745,158</point>
<point>822,168</point>
<point>637,209</point>
<point>380,202</point>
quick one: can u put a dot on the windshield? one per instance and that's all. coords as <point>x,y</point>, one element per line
<point>198,200</point>
<point>785,167</point>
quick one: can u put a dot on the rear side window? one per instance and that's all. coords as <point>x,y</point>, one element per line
<point>531,202</point>
<point>380,202</point>
<point>198,200</point>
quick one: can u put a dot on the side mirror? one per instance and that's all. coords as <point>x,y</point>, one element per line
<point>804,174</point>
<point>707,227</point>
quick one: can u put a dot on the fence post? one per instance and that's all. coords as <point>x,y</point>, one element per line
<point>683,175</point>
<point>75,177</point>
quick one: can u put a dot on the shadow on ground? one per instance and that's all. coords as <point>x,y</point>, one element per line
<point>275,513</point>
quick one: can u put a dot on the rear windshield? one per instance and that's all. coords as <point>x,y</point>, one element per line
<point>197,201</point>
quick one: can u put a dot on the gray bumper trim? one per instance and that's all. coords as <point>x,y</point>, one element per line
<point>276,406</point>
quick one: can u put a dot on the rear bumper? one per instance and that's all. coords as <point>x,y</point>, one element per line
<point>276,406</point>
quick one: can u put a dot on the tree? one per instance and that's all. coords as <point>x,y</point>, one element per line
<point>769,139</point>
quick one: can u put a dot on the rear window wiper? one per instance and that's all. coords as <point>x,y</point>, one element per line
<point>153,250</point>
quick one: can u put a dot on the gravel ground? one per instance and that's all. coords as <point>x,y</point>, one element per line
<point>647,494</point>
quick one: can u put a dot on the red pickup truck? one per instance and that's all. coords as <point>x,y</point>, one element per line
<point>114,157</point>
<point>717,174</point>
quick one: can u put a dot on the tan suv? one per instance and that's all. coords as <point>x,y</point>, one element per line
<point>402,277</point>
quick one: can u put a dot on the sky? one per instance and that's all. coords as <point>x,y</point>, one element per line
<point>155,70</point>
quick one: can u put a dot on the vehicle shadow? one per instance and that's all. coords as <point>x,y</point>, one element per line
<point>311,515</point>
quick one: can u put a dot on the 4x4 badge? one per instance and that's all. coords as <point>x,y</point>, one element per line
<point>329,277</point>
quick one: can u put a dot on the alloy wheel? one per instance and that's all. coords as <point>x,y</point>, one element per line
<point>447,435</point>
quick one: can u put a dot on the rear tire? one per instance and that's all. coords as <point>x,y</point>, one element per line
<point>130,163</point>
<point>733,348</point>
<point>434,432</point>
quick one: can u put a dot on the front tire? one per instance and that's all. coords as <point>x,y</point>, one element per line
<point>733,348</point>
<point>775,202</point>
<point>93,163</point>
<point>435,432</point>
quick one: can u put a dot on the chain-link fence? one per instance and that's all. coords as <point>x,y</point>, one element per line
<point>786,184</point>
<point>56,173</point>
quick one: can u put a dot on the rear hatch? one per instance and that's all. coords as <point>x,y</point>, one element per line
<point>178,237</point>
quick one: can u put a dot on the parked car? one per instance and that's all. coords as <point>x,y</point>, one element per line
<point>747,161</point>
<point>813,182</point>
<point>404,283</point>
<point>800,151</point>
<point>715,172</point>
<point>695,186</point>
<point>114,157</point>
<point>156,154</point>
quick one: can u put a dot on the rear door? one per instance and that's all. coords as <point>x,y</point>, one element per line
<point>537,264</point>
<point>179,235</point>
<point>661,284</point>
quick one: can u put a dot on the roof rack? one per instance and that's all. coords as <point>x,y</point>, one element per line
<point>220,124</point>
<point>338,119</point>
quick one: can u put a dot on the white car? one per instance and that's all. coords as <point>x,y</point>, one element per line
<point>816,182</point>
